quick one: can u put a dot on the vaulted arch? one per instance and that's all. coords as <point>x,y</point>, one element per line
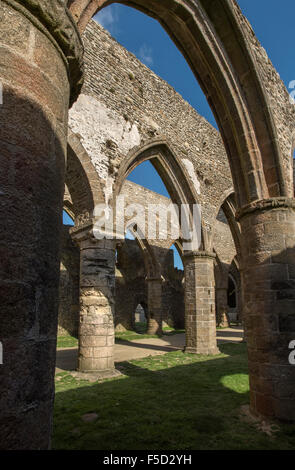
<point>82,181</point>
<point>167,164</point>
<point>152,266</point>
<point>172,172</point>
<point>229,207</point>
<point>212,39</point>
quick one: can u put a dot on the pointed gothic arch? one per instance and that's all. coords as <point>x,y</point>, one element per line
<point>215,40</point>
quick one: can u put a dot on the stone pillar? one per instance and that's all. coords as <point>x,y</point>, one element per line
<point>97,303</point>
<point>200,319</point>
<point>242,305</point>
<point>268,241</point>
<point>154,306</point>
<point>38,67</point>
<point>222,307</point>
<point>239,302</point>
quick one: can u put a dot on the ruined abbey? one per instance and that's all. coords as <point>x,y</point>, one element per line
<point>79,114</point>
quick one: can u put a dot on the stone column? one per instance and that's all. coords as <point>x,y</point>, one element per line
<point>239,302</point>
<point>200,319</point>
<point>268,240</point>
<point>97,303</point>
<point>39,65</point>
<point>154,306</point>
<point>222,307</point>
<point>242,305</point>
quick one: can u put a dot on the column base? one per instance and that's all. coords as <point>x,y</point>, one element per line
<point>154,328</point>
<point>204,352</point>
<point>94,376</point>
<point>95,364</point>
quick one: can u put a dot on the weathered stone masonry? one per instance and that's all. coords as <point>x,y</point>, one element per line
<point>124,105</point>
<point>272,141</point>
<point>41,71</point>
<point>132,272</point>
<point>129,108</point>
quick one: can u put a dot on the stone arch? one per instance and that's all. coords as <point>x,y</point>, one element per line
<point>167,164</point>
<point>213,39</point>
<point>152,266</point>
<point>68,206</point>
<point>229,207</point>
<point>220,272</point>
<point>154,282</point>
<point>82,181</point>
<point>130,290</point>
<point>169,167</point>
<point>232,279</point>
<point>174,288</point>
<point>234,272</point>
<point>140,303</point>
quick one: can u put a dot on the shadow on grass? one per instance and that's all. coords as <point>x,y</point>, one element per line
<point>174,401</point>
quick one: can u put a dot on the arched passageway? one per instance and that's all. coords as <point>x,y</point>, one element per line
<point>242,113</point>
<point>222,51</point>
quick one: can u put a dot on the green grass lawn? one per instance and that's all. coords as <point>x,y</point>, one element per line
<point>174,401</point>
<point>128,335</point>
<point>140,333</point>
<point>67,342</point>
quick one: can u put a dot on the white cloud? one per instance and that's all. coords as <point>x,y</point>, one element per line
<point>108,18</point>
<point>146,55</point>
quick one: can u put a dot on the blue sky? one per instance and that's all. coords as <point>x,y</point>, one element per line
<point>272,21</point>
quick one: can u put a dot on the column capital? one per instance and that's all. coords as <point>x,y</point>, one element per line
<point>199,254</point>
<point>56,22</point>
<point>83,232</point>
<point>85,238</point>
<point>154,279</point>
<point>265,205</point>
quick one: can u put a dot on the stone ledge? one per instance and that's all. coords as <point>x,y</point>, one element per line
<point>59,24</point>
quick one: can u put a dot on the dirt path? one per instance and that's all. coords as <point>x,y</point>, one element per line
<point>66,358</point>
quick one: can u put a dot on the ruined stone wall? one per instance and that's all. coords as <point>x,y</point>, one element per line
<point>223,243</point>
<point>131,270</point>
<point>124,105</point>
<point>134,193</point>
<point>282,110</point>
<point>131,287</point>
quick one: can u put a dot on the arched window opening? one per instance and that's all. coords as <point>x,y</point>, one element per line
<point>140,318</point>
<point>177,261</point>
<point>147,176</point>
<point>131,289</point>
<point>66,219</point>
<point>129,235</point>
